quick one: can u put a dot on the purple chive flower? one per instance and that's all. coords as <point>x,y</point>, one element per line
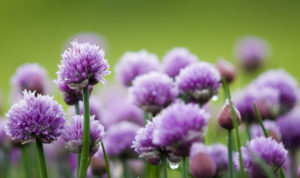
<point>271,152</point>
<point>199,154</point>
<point>31,77</point>
<point>95,108</point>
<point>73,133</point>
<point>133,64</point>
<point>82,65</point>
<point>4,138</point>
<point>251,52</point>
<point>178,126</point>
<point>70,96</point>
<point>217,152</point>
<point>119,138</point>
<point>177,59</point>
<point>35,117</point>
<point>271,127</point>
<point>266,99</point>
<point>289,125</point>
<point>144,146</point>
<point>199,82</point>
<point>126,112</point>
<point>153,92</point>
<point>284,83</point>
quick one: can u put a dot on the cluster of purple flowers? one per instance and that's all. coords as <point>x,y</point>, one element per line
<point>162,117</point>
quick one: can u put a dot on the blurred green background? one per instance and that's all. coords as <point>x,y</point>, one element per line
<point>37,30</point>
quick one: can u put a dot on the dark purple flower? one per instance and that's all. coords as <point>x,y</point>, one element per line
<point>153,92</point>
<point>251,52</point>
<point>270,126</point>
<point>178,126</point>
<point>225,118</point>
<point>199,82</point>
<point>271,152</point>
<point>177,59</point>
<point>133,64</point>
<point>119,138</point>
<point>31,77</point>
<point>284,83</point>
<point>82,65</point>
<point>289,125</point>
<point>198,156</point>
<point>95,108</point>
<point>70,96</point>
<point>73,133</point>
<point>35,117</point>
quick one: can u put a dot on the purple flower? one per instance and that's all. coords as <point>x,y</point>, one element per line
<point>73,133</point>
<point>126,112</point>
<point>266,99</point>
<point>153,92</point>
<point>177,59</point>
<point>200,154</point>
<point>251,52</point>
<point>217,152</point>
<point>82,65</point>
<point>35,117</point>
<point>289,125</point>
<point>284,83</point>
<point>270,126</point>
<point>133,64</point>
<point>31,77</point>
<point>271,152</point>
<point>70,96</point>
<point>4,138</point>
<point>199,81</point>
<point>226,69</point>
<point>119,138</point>
<point>95,108</point>
<point>178,126</point>
<point>144,146</point>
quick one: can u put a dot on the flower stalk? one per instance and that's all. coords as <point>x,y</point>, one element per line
<point>42,161</point>
<point>229,144</point>
<point>184,167</point>
<point>235,123</point>
<point>25,161</point>
<point>86,135</point>
<point>77,111</point>
<point>164,167</point>
<point>106,161</point>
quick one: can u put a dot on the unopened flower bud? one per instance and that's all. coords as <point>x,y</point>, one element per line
<point>226,69</point>
<point>225,116</point>
<point>202,166</point>
<point>97,166</point>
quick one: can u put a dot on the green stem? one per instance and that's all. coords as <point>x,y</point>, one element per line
<point>164,167</point>
<point>248,130</point>
<point>26,161</point>
<point>230,162</point>
<point>236,128</point>
<point>125,169</point>
<point>77,111</point>
<point>6,162</point>
<point>86,135</point>
<point>184,168</point>
<point>42,161</point>
<point>106,161</point>
<point>293,163</point>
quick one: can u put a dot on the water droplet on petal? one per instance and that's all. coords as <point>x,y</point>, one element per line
<point>173,165</point>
